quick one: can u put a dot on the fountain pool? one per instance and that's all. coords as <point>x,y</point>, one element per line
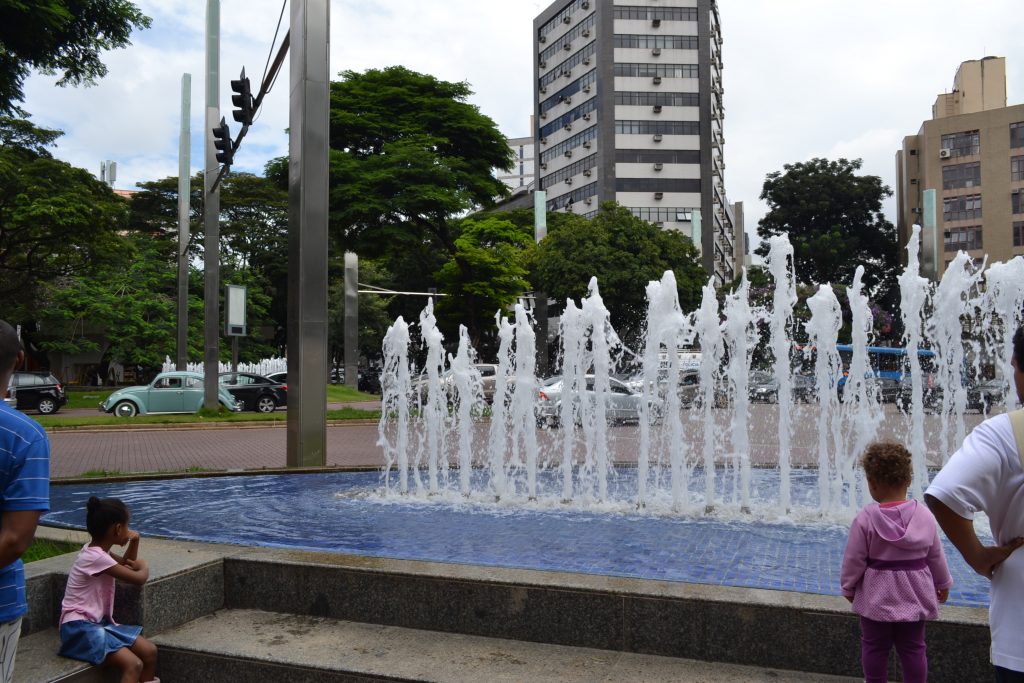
<point>350,512</point>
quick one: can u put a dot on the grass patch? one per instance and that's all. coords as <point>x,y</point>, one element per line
<point>103,474</point>
<point>202,417</point>
<point>339,393</point>
<point>42,548</point>
<point>86,399</point>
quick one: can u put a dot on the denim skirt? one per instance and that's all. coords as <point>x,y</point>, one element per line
<point>90,642</point>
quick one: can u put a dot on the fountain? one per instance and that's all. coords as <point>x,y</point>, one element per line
<point>662,499</point>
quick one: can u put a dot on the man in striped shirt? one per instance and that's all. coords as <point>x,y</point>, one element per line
<point>24,496</point>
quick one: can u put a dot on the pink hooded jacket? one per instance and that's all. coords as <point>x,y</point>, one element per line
<point>894,563</point>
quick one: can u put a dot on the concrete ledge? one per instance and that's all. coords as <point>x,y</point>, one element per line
<point>253,645</point>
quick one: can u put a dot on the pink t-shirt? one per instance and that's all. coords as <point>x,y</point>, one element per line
<point>90,593</point>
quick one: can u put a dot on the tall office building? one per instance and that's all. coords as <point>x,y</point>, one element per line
<point>971,153</point>
<point>628,107</point>
<point>521,175</point>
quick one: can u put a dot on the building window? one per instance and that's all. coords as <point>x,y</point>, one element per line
<point>962,239</point>
<point>558,20</point>
<point>962,144</point>
<point>661,99</point>
<point>663,127</point>
<point>566,200</point>
<point>1018,233</point>
<point>1017,135</point>
<point>568,172</point>
<point>662,13</point>
<point>567,119</point>
<point>967,207</point>
<point>1017,168</point>
<point>664,70</point>
<point>956,176</point>
<point>654,214</point>
<point>565,68</point>
<point>657,185</point>
<point>657,156</point>
<point>581,83</point>
<point>1016,203</point>
<point>567,145</point>
<point>649,41</point>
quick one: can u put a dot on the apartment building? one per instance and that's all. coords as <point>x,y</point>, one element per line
<point>521,175</point>
<point>971,153</point>
<point>628,107</point>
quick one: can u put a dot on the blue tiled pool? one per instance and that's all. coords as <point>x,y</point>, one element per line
<point>342,512</point>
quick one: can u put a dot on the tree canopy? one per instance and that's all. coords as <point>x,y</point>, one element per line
<point>833,218</point>
<point>625,253</point>
<point>63,37</point>
<point>55,220</point>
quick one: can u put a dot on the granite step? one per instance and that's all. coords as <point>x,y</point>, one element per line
<point>38,662</point>
<point>253,645</point>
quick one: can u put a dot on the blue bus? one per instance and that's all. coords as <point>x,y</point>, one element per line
<point>889,366</point>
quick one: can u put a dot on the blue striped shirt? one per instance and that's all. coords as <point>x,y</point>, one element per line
<point>24,485</point>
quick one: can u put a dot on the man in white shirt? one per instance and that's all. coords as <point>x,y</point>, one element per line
<point>987,475</point>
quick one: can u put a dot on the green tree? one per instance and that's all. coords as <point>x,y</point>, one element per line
<point>833,218</point>
<point>62,37</point>
<point>486,274</point>
<point>624,253</point>
<point>56,220</point>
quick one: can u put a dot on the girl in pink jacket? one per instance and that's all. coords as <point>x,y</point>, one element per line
<point>894,569</point>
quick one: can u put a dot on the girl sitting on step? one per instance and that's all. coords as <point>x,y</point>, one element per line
<point>88,631</point>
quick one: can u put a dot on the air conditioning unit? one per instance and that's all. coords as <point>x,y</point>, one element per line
<point>568,181</point>
<point>567,100</point>
<point>656,80</point>
<point>659,224</point>
<point>586,144</point>
<point>659,195</point>
<point>586,33</point>
<point>568,153</point>
<point>656,51</point>
<point>543,141</point>
<point>586,88</point>
<point>568,126</point>
<point>585,4</point>
<point>543,166</point>
<point>588,200</point>
<point>542,64</point>
<point>566,19</point>
<point>586,61</point>
<point>543,39</point>
<point>543,114</point>
<point>587,172</point>
<point>543,89</point>
<point>655,23</point>
<point>656,108</point>
<point>657,137</point>
<point>658,167</point>
<point>586,117</point>
<point>945,153</point>
<point>567,46</point>
<point>567,73</point>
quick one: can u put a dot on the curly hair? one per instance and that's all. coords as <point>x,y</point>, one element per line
<point>887,463</point>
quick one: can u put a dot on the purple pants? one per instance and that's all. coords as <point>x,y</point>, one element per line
<point>878,637</point>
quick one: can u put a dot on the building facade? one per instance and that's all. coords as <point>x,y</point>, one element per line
<point>523,167</point>
<point>971,153</point>
<point>628,107</point>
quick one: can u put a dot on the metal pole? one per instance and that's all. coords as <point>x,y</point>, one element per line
<point>234,353</point>
<point>351,320</point>
<point>211,213</point>
<point>184,197</point>
<point>309,109</point>
<point>540,301</point>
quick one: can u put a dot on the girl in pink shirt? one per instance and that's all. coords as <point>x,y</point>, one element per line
<point>88,631</point>
<point>894,569</point>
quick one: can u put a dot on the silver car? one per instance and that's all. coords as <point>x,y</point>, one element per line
<point>623,404</point>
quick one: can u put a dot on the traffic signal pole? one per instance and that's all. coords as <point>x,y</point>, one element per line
<point>211,213</point>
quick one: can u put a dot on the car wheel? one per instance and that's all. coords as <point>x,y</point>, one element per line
<point>47,406</point>
<point>126,409</point>
<point>266,404</point>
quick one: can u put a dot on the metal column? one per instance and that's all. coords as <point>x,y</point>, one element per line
<point>184,197</point>
<point>211,213</point>
<point>351,320</point>
<point>309,109</point>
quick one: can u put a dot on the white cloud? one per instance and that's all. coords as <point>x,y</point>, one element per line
<point>803,78</point>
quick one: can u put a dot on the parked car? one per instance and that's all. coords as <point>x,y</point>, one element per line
<point>9,399</point>
<point>488,376</point>
<point>984,395</point>
<point>38,391</point>
<point>624,404</point>
<point>169,392</point>
<point>254,392</point>
<point>281,377</point>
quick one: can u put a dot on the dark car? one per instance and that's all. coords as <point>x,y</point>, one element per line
<point>254,392</point>
<point>38,391</point>
<point>984,395</point>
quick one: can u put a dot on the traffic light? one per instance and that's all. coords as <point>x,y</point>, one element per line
<point>242,99</point>
<point>222,141</point>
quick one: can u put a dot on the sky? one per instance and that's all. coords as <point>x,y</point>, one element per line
<point>802,78</point>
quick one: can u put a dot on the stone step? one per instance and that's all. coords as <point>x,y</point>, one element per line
<point>38,662</point>
<point>253,645</point>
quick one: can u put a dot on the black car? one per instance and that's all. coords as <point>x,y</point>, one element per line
<point>38,391</point>
<point>254,392</point>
